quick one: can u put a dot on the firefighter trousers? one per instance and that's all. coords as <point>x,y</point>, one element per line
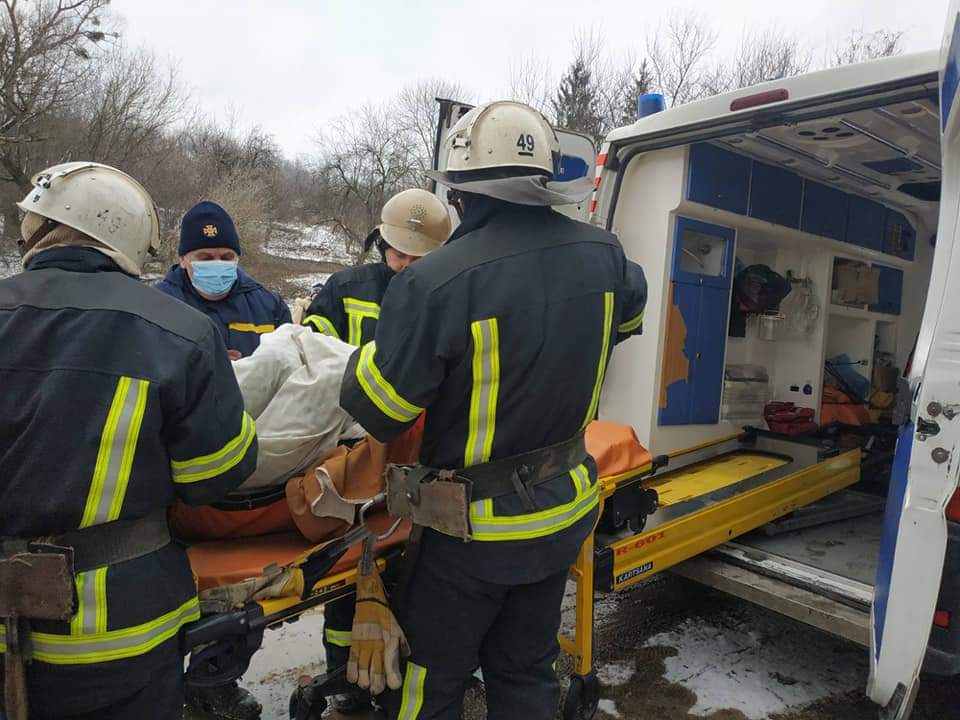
<point>88,692</point>
<point>337,627</point>
<point>456,622</point>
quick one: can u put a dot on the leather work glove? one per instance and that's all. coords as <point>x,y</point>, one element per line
<point>378,641</point>
<point>275,582</point>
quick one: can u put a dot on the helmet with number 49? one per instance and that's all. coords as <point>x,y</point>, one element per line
<point>502,139</point>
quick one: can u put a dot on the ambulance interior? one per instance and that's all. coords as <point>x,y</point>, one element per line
<point>844,210</point>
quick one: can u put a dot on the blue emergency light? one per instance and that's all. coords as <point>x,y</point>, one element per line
<point>650,103</point>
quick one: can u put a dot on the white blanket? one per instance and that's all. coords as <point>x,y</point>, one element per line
<point>291,388</point>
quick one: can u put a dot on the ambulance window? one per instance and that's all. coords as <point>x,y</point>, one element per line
<point>700,253</point>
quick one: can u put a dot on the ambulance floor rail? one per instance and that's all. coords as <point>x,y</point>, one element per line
<point>706,496</point>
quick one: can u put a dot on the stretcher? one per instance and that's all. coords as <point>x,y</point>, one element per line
<point>656,512</point>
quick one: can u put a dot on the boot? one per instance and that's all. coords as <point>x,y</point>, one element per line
<point>227,702</point>
<point>353,702</point>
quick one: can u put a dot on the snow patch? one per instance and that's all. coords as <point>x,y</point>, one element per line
<point>288,652</point>
<point>608,708</point>
<point>9,266</point>
<point>614,674</point>
<point>754,663</point>
<point>306,242</point>
<point>306,282</point>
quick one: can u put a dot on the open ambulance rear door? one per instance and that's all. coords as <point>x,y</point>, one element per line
<point>924,476</point>
<point>578,156</point>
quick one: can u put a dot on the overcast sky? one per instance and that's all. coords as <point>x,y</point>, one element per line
<point>291,65</point>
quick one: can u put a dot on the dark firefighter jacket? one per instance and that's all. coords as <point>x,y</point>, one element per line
<point>241,317</point>
<point>116,399</point>
<point>348,305</point>
<point>503,336</point>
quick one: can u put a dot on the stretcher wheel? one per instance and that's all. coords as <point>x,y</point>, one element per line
<point>305,705</point>
<point>583,697</point>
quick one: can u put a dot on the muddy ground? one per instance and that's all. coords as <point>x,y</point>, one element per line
<point>669,650</point>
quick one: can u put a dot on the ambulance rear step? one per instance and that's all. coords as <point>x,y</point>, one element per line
<point>832,604</point>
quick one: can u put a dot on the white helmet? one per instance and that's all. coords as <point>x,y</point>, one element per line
<point>102,203</point>
<point>503,134</point>
<point>414,222</point>
<point>508,150</point>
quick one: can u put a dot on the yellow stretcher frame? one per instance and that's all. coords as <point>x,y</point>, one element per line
<point>667,545</point>
<point>641,555</point>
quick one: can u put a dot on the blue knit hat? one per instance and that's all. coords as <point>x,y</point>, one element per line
<point>207,225</point>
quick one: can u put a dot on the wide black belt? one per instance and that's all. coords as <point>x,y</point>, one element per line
<point>100,545</point>
<point>519,473</point>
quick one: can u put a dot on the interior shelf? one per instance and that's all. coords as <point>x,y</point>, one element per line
<point>788,236</point>
<point>861,313</point>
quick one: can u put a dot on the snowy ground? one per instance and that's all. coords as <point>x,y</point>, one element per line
<point>306,242</point>
<point>669,650</point>
<point>9,265</point>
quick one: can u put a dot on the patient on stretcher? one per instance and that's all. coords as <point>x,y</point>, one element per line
<point>291,387</point>
<point>307,444</point>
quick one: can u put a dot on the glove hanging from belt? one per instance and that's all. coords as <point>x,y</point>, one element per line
<point>377,640</point>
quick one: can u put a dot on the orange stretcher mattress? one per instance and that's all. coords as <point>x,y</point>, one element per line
<point>222,562</point>
<point>615,448</point>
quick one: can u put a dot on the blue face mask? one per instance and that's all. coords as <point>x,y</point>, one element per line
<point>214,277</point>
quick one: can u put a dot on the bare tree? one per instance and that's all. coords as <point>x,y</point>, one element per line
<point>760,56</point>
<point>366,158</point>
<point>417,110</point>
<point>531,82</point>
<point>861,46</point>
<point>678,53</point>
<point>44,49</point>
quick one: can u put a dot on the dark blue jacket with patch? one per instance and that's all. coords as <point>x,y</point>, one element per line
<point>242,316</point>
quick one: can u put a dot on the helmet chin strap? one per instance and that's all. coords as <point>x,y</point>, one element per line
<point>39,234</point>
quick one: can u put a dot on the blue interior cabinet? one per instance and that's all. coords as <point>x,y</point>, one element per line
<point>900,238</point>
<point>890,290</point>
<point>719,178</point>
<point>696,335</point>
<point>865,223</point>
<point>824,211</point>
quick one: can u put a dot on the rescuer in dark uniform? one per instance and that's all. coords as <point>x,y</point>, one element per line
<point>116,400</point>
<point>503,336</point>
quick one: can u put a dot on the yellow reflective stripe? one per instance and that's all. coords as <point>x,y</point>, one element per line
<point>250,327</point>
<point>100,592</point>
<point>340,638</point>
<point>380,392</point>
<point>631,325</point>
<point>486,386</point>
<point>413,683</point>
<point>602,364</point>
<point>361,307</point>
<point>581,478</point>
<point>486,527</point>
<point>91,616</point>
<point>354,328</point>
<point>118,444</point>
<point>322,325</point>
<point>111,645</point>
<point>219,462</point>
<point>356,311</point>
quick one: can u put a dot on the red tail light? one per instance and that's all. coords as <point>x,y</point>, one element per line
<point>953,508</point>
<point>941,618</point>
<point>762,98</point>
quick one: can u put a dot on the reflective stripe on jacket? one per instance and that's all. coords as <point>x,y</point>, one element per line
<point>116,400</point>
<point>347,307</point>
<point>503,335</point>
